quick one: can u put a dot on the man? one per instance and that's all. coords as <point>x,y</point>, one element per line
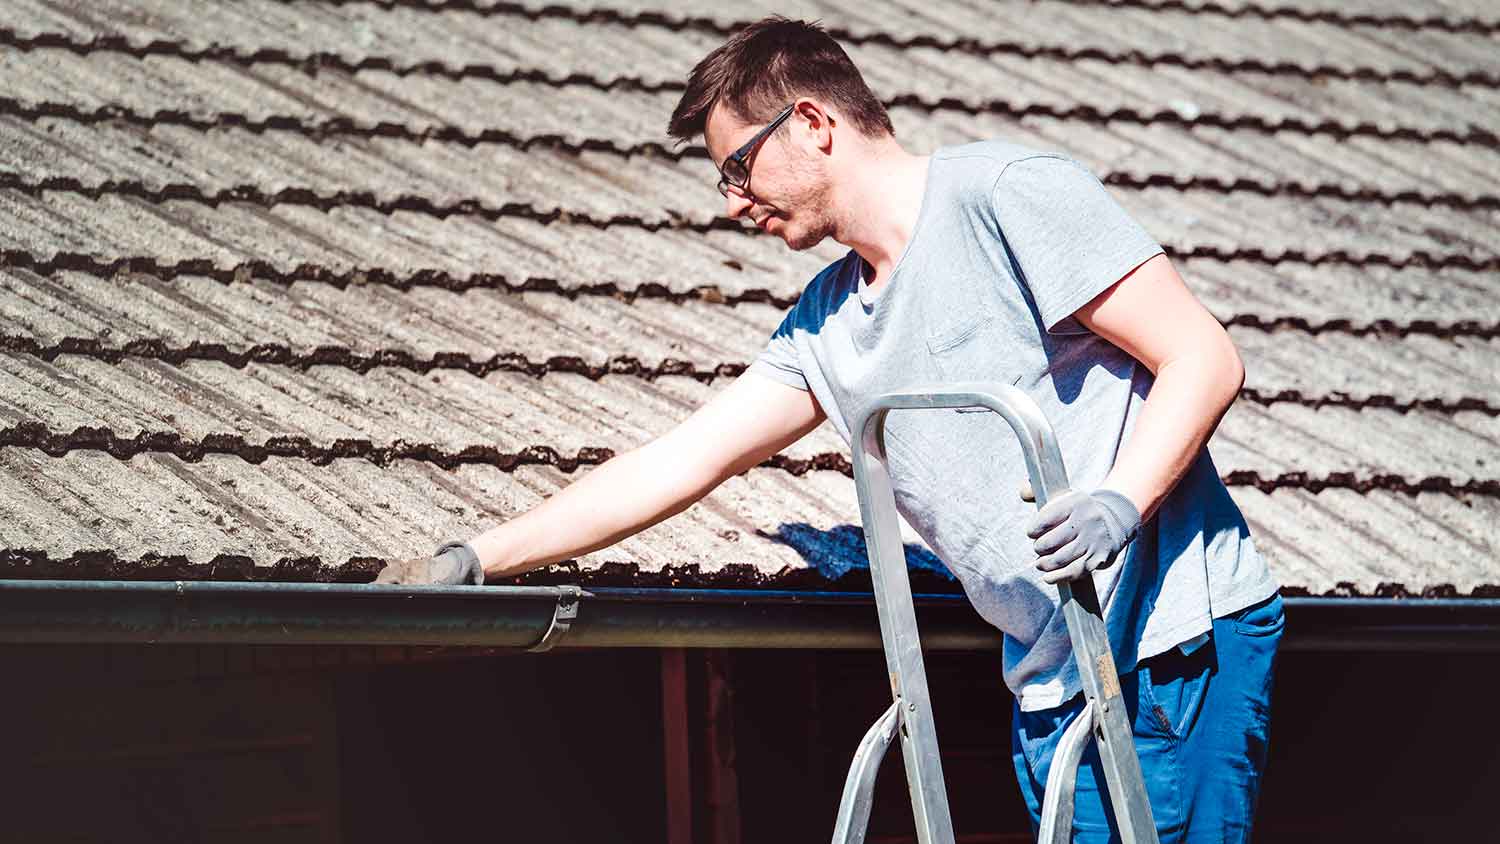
<point>982,261</point>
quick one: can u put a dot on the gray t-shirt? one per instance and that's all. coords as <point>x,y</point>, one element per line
<point>1008,243</point>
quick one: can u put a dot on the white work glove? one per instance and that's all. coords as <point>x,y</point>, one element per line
<point>1078,532</point>
<point>454,563</point>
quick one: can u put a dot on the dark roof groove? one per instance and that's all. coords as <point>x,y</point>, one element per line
<point>277,354</point>
<point>1375,328</point>
<point>313,61</point>
<point>307,271</point>
<point>466,207</point>
<point>107,564</point>
<point>1418,258</point>
<point>55,444</point>
<point>479,207</point>
<point>1474,25</point>
<point>444,280</point>
<point>1375,401</point>
<point>345,126</point>
<point>711,26</point>
<point>432,277</point>
<point>1302,190</point>
<point>1489,487</point>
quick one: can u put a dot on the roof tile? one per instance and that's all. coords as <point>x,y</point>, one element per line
<point>254,310</point>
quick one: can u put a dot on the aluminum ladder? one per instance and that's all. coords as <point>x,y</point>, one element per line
<point>910,714</point>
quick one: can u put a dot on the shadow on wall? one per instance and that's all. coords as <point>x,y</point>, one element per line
<point>834,553</point>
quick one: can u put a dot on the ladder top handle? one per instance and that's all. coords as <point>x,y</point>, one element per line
<point>1044,463</point>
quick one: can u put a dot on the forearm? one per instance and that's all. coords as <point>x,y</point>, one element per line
<point>626,494</point>
<point>1186,403</point>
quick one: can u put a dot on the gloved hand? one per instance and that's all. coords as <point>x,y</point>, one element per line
<point>453,564</point>
<point>1079,532</point>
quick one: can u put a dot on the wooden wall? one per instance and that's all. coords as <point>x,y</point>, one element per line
<point>140,744</point>
<point>125,744</point>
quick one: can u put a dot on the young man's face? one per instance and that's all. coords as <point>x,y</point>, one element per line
<point>786,192</point>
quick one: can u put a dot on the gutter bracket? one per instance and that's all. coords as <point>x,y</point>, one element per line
<point>563,616</point>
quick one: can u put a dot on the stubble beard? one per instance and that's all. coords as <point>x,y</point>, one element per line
<point>817,223</point>
<point>808,238</point>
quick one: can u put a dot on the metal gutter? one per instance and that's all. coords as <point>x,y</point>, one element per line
<point>493,616</point>
<point>38,611</point>
<point>1413,625</point>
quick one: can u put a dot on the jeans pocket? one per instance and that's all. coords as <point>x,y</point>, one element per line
<point>1263,619</point>
<point>1172,687</point>
<point>1035,734</point>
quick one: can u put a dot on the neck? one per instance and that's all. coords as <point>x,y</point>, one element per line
<point>879,196</point>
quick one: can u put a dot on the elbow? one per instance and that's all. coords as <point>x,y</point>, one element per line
<point>1234,372</point>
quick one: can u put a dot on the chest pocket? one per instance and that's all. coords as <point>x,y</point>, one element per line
<point>955,332</point>
<point>971,346</point>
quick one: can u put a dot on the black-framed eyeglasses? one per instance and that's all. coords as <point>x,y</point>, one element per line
<point>735,171</point>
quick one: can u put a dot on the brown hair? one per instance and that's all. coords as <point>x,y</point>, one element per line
<point>767,65</point>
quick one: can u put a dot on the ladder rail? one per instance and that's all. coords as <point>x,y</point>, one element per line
<point>859,789</point>
<point>898,629</point>
<point>1062,780</point>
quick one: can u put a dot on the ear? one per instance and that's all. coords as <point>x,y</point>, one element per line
<point>817,122</point>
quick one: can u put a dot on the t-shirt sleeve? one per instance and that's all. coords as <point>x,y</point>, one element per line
<point>1071,239</point>
<point>779,360</point>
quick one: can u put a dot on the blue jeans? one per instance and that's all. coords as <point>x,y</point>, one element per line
<point>1201,725</point>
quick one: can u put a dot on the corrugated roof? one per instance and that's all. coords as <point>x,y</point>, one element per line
<point>289,289</point>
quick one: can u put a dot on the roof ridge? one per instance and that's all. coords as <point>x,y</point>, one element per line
<point>115,43</point>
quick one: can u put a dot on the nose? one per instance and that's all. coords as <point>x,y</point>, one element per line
<point>736,204</point>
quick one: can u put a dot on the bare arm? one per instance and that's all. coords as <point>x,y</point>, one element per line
<point>1153,316</point>
<point>745,423</point>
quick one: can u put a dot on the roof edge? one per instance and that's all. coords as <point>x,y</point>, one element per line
<point>199,612</point>
<point>30,564</point>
